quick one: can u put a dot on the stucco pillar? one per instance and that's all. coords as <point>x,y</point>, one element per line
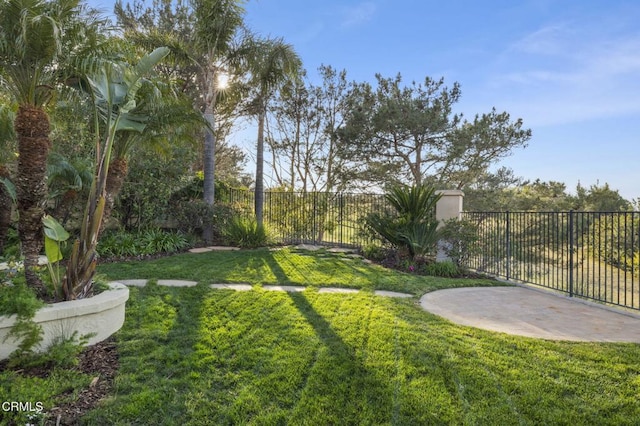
<point>449,206</point>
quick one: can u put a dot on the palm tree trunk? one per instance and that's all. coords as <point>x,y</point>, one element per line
<point>259,189</point>
<point>209,166</point>
<point>118,171</point>
<point>32,129</point>
<point>209,160</point>
<point>5,209</point>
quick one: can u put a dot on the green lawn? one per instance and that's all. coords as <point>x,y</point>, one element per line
<point>282,266</point>
<point>197,356</point>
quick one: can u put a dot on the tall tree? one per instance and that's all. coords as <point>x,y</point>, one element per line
<point>601,198</point>
<point>205,41</point>
<point>217,25</point>
<point>37,38</point>
<point>412,133</point>
<point>272,62</point>
<point>302,133</point>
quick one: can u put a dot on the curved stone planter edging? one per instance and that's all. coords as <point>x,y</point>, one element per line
<point>102,314</point>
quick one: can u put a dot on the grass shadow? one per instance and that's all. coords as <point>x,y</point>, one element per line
<point>339,377</point>
<point>157,349</point>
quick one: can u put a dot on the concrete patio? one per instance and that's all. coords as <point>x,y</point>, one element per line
<point>530,312</point>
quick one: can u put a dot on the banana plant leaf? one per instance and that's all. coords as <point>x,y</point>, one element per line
<point>54,234</point>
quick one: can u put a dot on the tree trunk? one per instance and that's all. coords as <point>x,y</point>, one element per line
<point>5,209</point>
<point>259,189</point>
<point>32,128</point>
<point>209,160</point>
<point>118,171</point>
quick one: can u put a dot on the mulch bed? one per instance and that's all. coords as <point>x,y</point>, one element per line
<point>99,361</point>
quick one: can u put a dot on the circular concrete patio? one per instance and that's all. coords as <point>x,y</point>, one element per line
<point>531,312</point>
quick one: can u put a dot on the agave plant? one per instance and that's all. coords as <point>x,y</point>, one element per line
<point>412,225</point>
<point>114,89</point>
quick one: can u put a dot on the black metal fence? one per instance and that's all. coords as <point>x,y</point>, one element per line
<point>593,255</point>
<point>324,218</point>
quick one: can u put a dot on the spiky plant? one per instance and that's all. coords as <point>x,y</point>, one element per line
<point>412,224</point>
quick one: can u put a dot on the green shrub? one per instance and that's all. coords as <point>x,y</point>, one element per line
<point>116,244</point>
<point>145,198</point>
<point>458,239</point>
<point>16,298</point>
<point>153,241</point>
<point>374,252</point>
<point>12,245</point>
<point>246,233</point>
<point>191,216</point>
<point>147,242</point>
<point>442,269</point>
<point>63,352</point>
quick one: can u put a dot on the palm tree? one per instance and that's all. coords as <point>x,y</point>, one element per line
<point>273,62</point>
<point>37,37</point>
<point>217,25</point>
<point>204,38</point>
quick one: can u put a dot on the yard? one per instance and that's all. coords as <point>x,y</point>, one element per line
<point>202,356</point>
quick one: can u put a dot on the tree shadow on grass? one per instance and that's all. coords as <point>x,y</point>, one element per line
<point>155,360</point>
<point>339,387</point>
<point>276,269</point>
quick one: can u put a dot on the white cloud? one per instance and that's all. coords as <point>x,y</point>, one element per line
<point>358,14</point>
<point>545,41</point>
<point>562,74</point>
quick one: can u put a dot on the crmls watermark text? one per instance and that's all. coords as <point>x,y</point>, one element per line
<point>17,406</point>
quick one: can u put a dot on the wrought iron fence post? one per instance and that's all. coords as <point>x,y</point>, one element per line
<point>508,244</point>
<point>571,242</point>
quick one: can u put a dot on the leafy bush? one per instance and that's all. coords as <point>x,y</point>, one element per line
<point>117,243</point>
<point>191,216</point>
<point>155,241</point>
<point>147,242</point>
<point>458,239</point>
<point>442,269</point>
<point>145,199</point>
<point>12,245</point>
<point>246,233</point>
<point>16,298</point>
<point>613,239</point>
<point>412,226</point>
<point>374,252</point>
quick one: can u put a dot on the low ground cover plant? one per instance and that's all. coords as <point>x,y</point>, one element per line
<point>121,243</point>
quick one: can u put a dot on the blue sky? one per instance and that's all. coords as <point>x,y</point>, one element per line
<point>569,68</point>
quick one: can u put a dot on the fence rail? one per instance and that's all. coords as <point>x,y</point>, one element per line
<point>324,218</point>
<point>594,255</point>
